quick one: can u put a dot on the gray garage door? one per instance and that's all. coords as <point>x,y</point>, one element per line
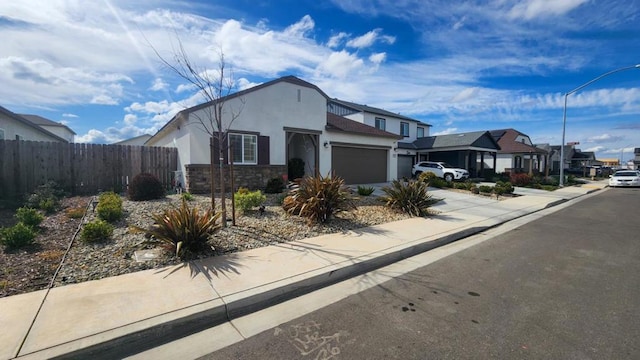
<point>359,166</point>
<point>404,166</point>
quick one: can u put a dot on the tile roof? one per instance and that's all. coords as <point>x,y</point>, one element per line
<point>339,123</point>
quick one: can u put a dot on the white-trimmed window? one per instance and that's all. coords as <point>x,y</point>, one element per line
<point>381,123</point>
<point>404,129</point>
<point>1,134</point>
<point>245,148</point>
<point>420,132</point>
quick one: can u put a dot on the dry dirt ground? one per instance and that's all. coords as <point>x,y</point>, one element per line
<point>32,268</point>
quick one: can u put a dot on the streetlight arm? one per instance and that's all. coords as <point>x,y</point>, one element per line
<point>564,114</point>
<point>600,77</point>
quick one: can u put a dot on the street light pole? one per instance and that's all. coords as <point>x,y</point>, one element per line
<point>564,113</point>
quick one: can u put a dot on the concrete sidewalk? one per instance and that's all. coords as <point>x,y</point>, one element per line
<point>123,315</point>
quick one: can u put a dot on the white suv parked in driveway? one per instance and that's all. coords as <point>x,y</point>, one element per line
<point>441,169</point>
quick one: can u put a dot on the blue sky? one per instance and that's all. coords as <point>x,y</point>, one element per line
<point>459,66</point>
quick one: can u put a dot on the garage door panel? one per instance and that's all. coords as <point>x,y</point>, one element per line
<point>358,165</point>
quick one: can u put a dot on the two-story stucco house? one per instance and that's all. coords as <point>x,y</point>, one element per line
<point>407,128</point>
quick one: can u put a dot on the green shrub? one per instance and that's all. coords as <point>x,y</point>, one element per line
<point>503,187</point>
<point>29,216</point>
<point>184,229</point>
<point>187,196</point>
<point>145,186</point>
<point>410,197</point>
<point>433,181</point>
<point>45,197</point>
<point>427,176</point>
<point>485,188</point>
<point>97,230</point>
<point>549,187</point>
<point>365,190</point>
<point>460,186</point>
<point>109,207</point>
<point>318,198</point>
<point>17,236</point>
<point>295,169</point>
<point>274,186</point>
<point>246,199</point>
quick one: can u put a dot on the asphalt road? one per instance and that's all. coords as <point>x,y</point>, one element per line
<point>563,287</point>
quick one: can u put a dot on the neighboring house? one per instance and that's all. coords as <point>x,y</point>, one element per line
<point>518,154</point>
<point>636,159</point>
<point>59,129</point>
<point>277,121</point>
<point>138,140</point>
<point>610,162</point>
<point>16,127</point>
<point>583,159</point>
<point>407,128</point>
<point>464,150</point>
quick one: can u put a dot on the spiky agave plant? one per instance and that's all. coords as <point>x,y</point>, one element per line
<point>318,198</point>
<point>184,229</point>
<point>411,197</point>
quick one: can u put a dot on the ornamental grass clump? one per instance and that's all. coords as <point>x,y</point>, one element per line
<point>318,198</point>
<point>184,230</point>
<point>410,197</point>
<point>365,190</point>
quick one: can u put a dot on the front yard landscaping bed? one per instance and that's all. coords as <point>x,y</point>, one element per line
<point>32,268</point>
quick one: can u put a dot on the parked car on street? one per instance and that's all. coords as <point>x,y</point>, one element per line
<point>441,169</point>
<point>625,178</point>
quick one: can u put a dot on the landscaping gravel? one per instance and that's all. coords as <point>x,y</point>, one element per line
<point>86,261</point>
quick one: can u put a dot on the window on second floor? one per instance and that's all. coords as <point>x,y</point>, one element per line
<point>420,132</point>
<point>1,134</point>
<point>404,129</point>
<point>381,123</point>
<point>245,148</point>
<point>19,137</point>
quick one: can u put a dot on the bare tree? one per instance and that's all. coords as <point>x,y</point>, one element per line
<point>216,119</point>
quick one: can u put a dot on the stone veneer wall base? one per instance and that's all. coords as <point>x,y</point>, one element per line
<point>253,177</point>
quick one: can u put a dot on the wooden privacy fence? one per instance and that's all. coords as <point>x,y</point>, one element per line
<point>79,168</point>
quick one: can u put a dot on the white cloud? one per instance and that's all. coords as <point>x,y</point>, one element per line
<point>336,40</point>
<point>466,94</point>
<point>530,9</point>
<point>158,85</point>
<point>67,115</point>
<point>340,64</point>
<point>301,28</point>
<point>446,131</point>
<point>377,58</point>
<point>369,39</point>
<point>103,99</point>
<point>130,119</point>
<point>604,138</point>
<point>596,149</point>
